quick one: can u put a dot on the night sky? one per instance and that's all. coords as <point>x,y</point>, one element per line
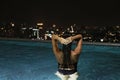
<point>61,12</point>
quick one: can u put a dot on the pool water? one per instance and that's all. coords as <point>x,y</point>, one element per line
<point>28,60</point>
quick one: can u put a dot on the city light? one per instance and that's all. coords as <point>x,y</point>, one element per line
<point>38,31</point>
<point>39,24</point>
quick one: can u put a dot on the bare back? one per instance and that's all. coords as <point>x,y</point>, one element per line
<point>74,54</point>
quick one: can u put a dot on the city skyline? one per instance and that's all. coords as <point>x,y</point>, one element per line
<point>61,12</point>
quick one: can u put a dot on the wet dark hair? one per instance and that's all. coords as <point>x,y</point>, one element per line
<point>66,53</point>
<point>66,49</point>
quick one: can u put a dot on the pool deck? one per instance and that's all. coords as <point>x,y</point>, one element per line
<point>89,43</point>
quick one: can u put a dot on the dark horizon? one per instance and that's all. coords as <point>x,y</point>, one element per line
<point>61,12</point>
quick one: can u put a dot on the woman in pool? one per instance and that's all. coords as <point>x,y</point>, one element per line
<point>67,58</point>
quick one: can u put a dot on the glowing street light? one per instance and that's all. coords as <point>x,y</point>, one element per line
<point>12,24</point>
